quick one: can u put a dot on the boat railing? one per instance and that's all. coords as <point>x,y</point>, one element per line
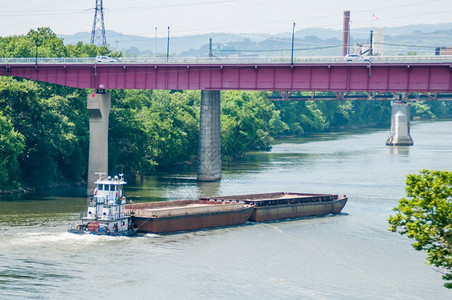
<point>159,213</point>
<point>84,216</point>
<point>73,226</point>
<point>94,200</point>
<point>225,60</point>
<point>106,201</point>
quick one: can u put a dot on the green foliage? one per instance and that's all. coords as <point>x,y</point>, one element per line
<point>48,141</point>
<point>301,117</point>
<point>422,110</point>
<point>425,215</point>
<point>50,127</point>
<point>85,50</point>
<point>150,128</point>
<point>249,122</point>
<point>11,147</point>
<point>315,116</point>
<point>45,42</point>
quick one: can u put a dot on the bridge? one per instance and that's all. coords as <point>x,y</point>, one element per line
<point>399,76</point>
<point>431,74</point>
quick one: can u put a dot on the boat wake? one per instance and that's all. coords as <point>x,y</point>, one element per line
<point>36,239</point>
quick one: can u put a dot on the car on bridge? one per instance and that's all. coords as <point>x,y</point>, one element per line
<point>105,59</point>
<point>356,58</point>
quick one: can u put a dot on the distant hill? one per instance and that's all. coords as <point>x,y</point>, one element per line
<point>421,38</point>
<point>142,45</point>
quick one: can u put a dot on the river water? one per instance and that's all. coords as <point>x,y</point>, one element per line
<point>347,256</point>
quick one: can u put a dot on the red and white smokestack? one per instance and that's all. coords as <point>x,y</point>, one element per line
<point>346,33</point>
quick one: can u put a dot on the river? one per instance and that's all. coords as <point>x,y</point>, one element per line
<point>347,256</point>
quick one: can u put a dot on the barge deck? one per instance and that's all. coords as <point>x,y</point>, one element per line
<point>185,215</point>
<point>277,206</point>
<point>210,212</point>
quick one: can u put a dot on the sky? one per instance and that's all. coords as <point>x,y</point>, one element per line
<point>189,17</point>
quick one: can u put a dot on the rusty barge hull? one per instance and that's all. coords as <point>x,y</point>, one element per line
<point>278,206</point>
<point>291,211</point>
<point>192,222</point>
<point>187,215</point>
<point>222,211</point>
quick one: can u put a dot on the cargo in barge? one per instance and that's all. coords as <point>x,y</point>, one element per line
<point>277,206</point>
<point>186,215</point>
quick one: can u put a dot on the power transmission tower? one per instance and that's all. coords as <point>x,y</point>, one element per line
<point>98,32</point>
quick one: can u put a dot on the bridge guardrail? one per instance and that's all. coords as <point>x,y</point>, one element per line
<point>228,60</point>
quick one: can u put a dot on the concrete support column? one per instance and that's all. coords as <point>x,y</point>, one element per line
<point>400,125</point>
<point>99,106</point>
<point>209,146</point>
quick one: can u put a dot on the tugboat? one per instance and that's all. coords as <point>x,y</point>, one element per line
<point>106,213</point>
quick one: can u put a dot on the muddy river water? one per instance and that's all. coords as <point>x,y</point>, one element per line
<point>347,256</point>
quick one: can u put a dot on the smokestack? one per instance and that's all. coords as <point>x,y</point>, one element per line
<point>346,33</point>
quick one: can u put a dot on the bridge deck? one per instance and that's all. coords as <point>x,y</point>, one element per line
<point>429,59</point>
<point>382,74</point>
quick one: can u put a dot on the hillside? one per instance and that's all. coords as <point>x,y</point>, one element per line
<point>421,38</point>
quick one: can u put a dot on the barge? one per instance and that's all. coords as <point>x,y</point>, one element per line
<point>210,212</point>
<point>277,206</point>
<point>106,214</point>
<point>186,215</point>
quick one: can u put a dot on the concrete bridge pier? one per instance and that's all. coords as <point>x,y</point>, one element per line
<point>209,145</point>
<point>400,125</point>
<point>99,105</point>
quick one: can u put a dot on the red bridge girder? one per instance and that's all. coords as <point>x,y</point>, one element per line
<point>340,77</point>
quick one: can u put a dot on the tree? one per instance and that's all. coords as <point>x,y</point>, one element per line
<point>11,146</point>
<point>248,122</point>
<point>44,127</point>
<point>150,128</point>
<point>53,128</point>
<point>426,216</point>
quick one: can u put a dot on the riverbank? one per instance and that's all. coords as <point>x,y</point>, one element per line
<point>350,129</point>
<point>42,188</point>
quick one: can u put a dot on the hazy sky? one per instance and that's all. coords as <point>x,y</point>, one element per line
<point>186,17</point>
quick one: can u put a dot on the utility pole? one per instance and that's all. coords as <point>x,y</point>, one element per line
<point>293,37</point>
<point>210,48</point>
<point>37,45</point>
<point>346,33</point>
<point>98,31</point>
<point>155,53</point>
<point>167,45</point>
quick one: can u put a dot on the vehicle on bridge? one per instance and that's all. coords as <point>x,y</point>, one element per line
<point>105,59</point>
<point>356,58</point>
